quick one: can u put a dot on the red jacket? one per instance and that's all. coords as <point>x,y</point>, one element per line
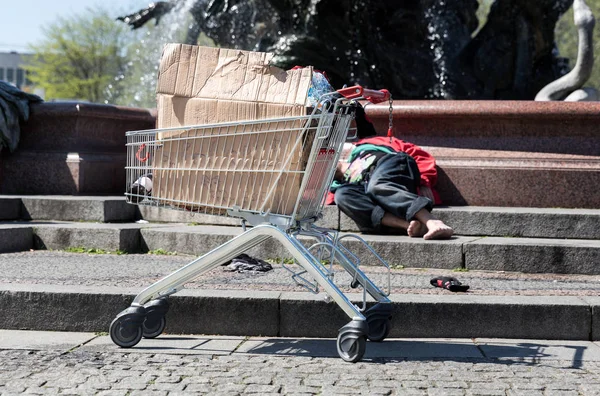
<point>424,160</point>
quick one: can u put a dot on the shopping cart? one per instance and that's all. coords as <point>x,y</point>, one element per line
<point>274,175</point>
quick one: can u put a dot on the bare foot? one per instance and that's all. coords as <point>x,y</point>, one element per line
<point>416,229</point>
<point>438,230</point>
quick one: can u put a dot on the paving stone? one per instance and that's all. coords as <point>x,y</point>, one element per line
<point>445,392</point>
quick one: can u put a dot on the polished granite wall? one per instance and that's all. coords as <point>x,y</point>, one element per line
<point>506,153</point>
<point>489,153</point>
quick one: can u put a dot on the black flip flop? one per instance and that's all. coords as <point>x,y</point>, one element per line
<point>449,283</point>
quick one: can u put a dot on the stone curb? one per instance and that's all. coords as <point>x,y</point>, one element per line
<point>294,314</point>
<point>16,239</point>
<point>101,209</point>
<point>10,208</point>
<point>466,220</point>
<point>529,255</point>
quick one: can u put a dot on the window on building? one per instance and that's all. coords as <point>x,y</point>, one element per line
<point>20,79</point>
<point>1,73</point>
<point>27,80</point>
<point>10,75</point>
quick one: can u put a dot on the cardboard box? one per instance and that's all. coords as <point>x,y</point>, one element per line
<point>258,166</point>
<point>205,85</point>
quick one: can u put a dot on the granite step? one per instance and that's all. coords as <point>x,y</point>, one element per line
<point>529,255</point>
<point>466,220</point>
<point>50,290</point>
<point>105,209</point>
<point>301,314</point>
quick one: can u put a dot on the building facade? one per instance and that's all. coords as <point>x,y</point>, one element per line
<point>12,70</point>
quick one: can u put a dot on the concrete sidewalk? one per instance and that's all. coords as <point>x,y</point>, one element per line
<point>48,290</point>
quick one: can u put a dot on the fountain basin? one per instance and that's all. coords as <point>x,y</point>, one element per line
<point>72,148</point>
<point>505,153</point>
<point>489,153</point>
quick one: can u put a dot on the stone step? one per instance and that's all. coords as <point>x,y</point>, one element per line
<point>529,255</point>
<point>67,208</point>
<point>513,222</point>
<point>16,239</point>
<point>296,314</point>
<point>466,220</point>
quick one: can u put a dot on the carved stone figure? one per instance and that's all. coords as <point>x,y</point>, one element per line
<point>569,86</point>
<point>417,49</point>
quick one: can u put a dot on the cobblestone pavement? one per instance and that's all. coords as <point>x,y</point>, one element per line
<point>111,372</point>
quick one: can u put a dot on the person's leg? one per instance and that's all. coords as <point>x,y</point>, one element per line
<point>354,202</point>
<point>393,185</point>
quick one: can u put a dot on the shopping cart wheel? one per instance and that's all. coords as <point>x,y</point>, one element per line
<point>155,321</point>
<point>352,341</point>
<point>379,319</point>
<point>126,328</point>
<point>154,328</point>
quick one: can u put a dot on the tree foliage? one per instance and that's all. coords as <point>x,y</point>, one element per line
<point>81,57</point>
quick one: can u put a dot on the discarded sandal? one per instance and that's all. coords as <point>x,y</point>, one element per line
<point>450,283</point>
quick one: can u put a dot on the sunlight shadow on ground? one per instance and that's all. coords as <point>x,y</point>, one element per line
<point>491,350</point>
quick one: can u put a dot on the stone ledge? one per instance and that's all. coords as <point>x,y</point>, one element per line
<point>527,255</point>
<point>10,208</point>
<point>15,239</point>
<point>48,307</point>
<point>75,208</point>
<point>533,255</point>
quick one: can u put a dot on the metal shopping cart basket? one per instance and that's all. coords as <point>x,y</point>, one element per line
<point>273,174</point>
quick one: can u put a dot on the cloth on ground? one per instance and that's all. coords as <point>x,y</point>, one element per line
<point>246,263</point>
<point>14,106</point>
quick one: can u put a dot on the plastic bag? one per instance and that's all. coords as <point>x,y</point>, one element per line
<point>318,87</point>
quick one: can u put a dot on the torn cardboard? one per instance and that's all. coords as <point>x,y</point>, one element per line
<point>205,85</point>
<point>256,166</point>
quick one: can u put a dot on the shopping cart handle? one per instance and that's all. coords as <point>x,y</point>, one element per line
<point>371,95</point>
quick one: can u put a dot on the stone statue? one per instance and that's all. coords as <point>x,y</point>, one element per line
<point>14,106</point>
<point>569,86</point>
<point>417,49</point>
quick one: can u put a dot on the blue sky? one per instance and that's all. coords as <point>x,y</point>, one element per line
<point>21,20</point>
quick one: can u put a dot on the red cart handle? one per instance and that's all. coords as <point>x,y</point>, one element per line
<point>371,95</point>
<point>138,154</point>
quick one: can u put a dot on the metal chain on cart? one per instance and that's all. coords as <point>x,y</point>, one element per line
<point>391,121</point>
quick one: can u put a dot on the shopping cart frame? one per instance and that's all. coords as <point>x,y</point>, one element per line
<point>146,317</point>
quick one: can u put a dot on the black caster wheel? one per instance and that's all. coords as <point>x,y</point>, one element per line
<point>352,341</point>
<point>126,328</point>
<point>154,328</point>
<point>354,284</point>
<point>124,333</point>
<point>379,330</point>
<point>379,319</point>
<point>155,321</point>
<point>351,348</point>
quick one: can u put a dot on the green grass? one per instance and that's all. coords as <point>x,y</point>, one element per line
<point>162,252</point>
<point>81,249</point>
<point>459,269</point>
<point>279,260</point>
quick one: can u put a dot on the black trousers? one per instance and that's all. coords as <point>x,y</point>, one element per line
<point>392,187</point>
